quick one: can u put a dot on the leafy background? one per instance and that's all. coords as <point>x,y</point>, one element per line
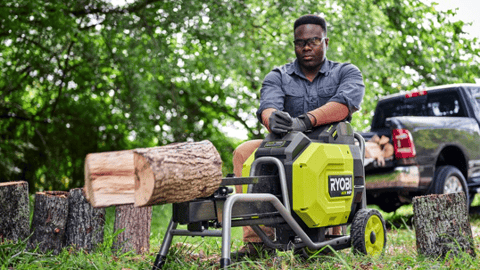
<point>87,76</point>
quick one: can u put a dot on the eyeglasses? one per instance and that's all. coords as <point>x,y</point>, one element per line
<point>315,41</point>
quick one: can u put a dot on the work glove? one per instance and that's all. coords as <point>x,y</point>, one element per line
<point>301,123</point>
<point>280,122</point>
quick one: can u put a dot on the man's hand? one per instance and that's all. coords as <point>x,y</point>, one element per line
<point>302,123</point>
<point>280,122</point>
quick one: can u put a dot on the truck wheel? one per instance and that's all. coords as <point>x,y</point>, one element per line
<point>368,232</point>
<point>448,179</point>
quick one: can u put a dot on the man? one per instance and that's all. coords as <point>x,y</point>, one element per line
<point>309,92</point>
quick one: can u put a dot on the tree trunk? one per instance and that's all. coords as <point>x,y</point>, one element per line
<point>176,173</point>
<point>442,224</point>
<point>14,211</point>
<point>136,222</point>
<point>49,221</point>
<point>84,223</point>
<point>109,178</point>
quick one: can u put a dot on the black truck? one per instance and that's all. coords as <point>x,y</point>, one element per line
<point>436,137</point>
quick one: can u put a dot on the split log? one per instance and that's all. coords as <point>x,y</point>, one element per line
<point>49,221</point>
<point>176,173</point>
<point>109,178</point>
<point>14,211</point>
<point>84,223</point>
<point>136,222</point>
<point>379,149</point>
<point>442,225</point>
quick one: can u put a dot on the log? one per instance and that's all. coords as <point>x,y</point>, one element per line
<point>85,224</point>
<point>49,221</point>
<point>109,178</point>
<point>176,173</point>
<point>442,225</point>
<point>136,222</point>
<point>14,211</point>
<point>379,149</point>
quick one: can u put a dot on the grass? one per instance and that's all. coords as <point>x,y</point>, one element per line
<point>203,253</point>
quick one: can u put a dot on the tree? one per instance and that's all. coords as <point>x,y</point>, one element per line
<point>87,76</point>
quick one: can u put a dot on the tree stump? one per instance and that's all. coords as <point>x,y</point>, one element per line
<point>49,221</point>
<point>109,178</point>
<point>136,222</point>
<point>442,225</point>
<point>176,173</point>
<point>85,224</point>
<point>14,211</point>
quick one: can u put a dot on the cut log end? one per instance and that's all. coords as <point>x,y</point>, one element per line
<point>88,182</point>
<point>13,183</point>
<point>59,194</point>
<point>109,178</point>
<point>143,189</point>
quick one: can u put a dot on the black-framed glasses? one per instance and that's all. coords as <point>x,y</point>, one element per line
<point>315,41</point>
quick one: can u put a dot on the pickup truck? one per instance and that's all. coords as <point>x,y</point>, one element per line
<point>436,137</point>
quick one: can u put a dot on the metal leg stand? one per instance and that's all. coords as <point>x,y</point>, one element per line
<point>167,241</point>
<point>225,260</point>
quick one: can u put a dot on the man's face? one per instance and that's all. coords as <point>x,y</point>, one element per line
<point>310,56</point>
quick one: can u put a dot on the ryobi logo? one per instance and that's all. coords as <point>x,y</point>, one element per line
<point>340,185</point>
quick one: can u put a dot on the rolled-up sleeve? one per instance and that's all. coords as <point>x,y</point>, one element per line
<point>271,94</point>
<point>351,88</point>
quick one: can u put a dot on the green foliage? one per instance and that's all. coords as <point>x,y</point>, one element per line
<point>87,76</point>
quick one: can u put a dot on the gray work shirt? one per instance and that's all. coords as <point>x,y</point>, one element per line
<point>287,89</point>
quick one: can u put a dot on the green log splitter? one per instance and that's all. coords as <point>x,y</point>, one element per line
<point>300,184</point>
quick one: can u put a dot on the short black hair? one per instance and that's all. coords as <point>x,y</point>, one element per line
<point>311,19</point>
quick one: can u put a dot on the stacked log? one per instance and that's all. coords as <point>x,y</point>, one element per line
<point>379,149</point>
<point>14,211</point>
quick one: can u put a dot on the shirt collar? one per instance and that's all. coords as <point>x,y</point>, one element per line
<point>295,68</point>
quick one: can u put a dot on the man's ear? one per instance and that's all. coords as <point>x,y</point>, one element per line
<point>326,43</point>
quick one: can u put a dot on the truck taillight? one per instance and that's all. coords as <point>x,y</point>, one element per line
<point>416,94</point>
<point>403,144</point>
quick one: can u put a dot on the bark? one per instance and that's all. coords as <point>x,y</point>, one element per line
<point>442,225</point>
<point>136,222</point>
<point>85,224</point>
<point>14,211</point>
<point>109,178</point>
<point>49,221</point>
<point>176,173</point>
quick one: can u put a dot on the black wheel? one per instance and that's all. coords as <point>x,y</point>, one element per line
<point>368,232</point>
<point>449,179</point>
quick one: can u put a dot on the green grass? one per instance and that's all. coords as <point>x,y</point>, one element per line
<point>203,253</point>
